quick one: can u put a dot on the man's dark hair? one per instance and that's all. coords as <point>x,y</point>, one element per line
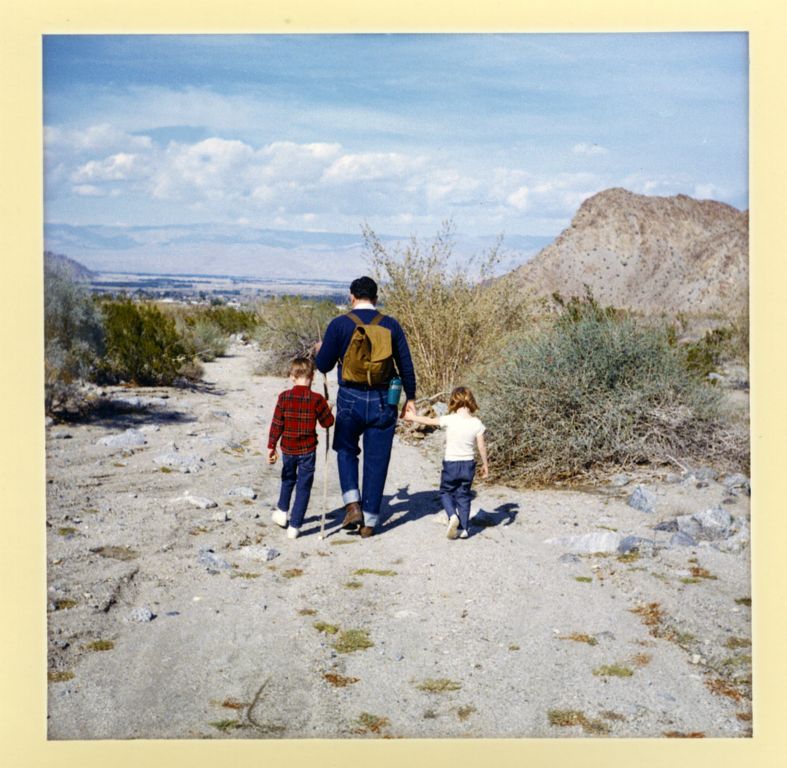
<point>364,288</point>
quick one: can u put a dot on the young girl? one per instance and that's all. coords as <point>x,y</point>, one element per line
<point>462,431</point>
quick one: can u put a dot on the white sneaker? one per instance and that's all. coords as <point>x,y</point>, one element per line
<point>453,527</point>
<point>279,517</point>
<point>293,533</point>
<point>463,534</point>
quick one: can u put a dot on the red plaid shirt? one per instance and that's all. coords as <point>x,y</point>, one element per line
<point>295,418</point>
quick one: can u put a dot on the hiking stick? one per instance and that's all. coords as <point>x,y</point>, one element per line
<point>321,535</point>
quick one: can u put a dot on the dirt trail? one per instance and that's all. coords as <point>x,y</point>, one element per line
<point>499,635</point>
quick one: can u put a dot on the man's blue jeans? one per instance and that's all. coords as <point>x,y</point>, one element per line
<point>297,473</point>
<point>455,481</point>
<point>364,414</point>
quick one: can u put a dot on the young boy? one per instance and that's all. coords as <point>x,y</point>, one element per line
<point>463,432</point>
<point>294,421</point>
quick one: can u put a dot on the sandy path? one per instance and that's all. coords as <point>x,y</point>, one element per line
<point>235,654</point>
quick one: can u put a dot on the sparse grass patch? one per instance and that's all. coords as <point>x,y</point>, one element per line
<point>723,688</point>
<point>373,572</point>
<point>59,675</point>
<point>743,601</point>
<point>307,612</point>
<point>66,531</point>
<point>292,573</point>
<point>197,530</point>
<point>227,725</point>
<point>64,604</point>
<point>629,557</point>
<point>680,735</point>
<point>612,670</point>
<point>234,704</point>
<point>652,615</point>
<point>371,723</point>
<point>608,714</point>
<point>641,660</point>
<point>732,663</point>
<point>737,642</point>
<point>744,717</point>
<point>354,584</point>
<point>352,640</point>
<point>464,712</point>
<point>578,637</point>
<point>116,553</point>
<point>166,470</point>
<point>439,685</point>
<point>325,628</point>
<point>100,645</point>
<point>339,681</point>
<point>430,714</point>
<point>565,718</point>
<point>513,647</point>
<point>583,579</point>
<point>344,541</point>
<point>702,573</point>
<point>690,580</point>
<point>245,575</point>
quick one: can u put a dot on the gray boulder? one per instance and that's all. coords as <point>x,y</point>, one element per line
<point>682,539</point>
<point>688,525</point>
<point>642,499</point>
<point>242,491</point>
<point>259,553</point>
<point>212,561</point>
<point>714,523</point>
<point>200,502</point>
<point>141,615</point>
<point>131,438</point>
<point>589,543</point>
<point>637,543</point>
<point>182,462</point>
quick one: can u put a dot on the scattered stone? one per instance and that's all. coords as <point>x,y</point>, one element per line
<point>142,614</point>
<point>182,462</point>
<point>220,414</point>
<point>737,481</point>
<point>737,542</point>
<point>682,539</point>
<point>670,526</point>
<point>589,543</point>
<point>569,558</point>
<point>714,523</point>
<point>62,435</point>
<point>48,421</point>
<point>619,480</point>
<point>213,562</point>
<point>673,478</point>
<point>172,613</point>
<point>688,525</point>
<point>706,474</point>
<point>243,491</point>
<point>150,428</point>
<point>131,438</point>
<point>220,517</point>
<point>642,499</point>
<point>637,543</point>
<point>259,553</point>
<point>201,502</point>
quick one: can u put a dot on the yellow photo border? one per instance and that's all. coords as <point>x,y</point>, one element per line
<point>23,739</point>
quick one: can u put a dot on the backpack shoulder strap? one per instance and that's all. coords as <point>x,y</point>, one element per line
<point>376,319</point>
<point>355,318</point>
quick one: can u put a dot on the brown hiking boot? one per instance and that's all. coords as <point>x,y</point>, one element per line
<point>366,531</point>
<point>354,516</point>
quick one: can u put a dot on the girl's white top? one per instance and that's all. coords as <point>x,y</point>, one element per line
<point>461,432</point>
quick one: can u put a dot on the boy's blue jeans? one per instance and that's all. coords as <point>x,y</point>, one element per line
<point>297,473</point>
<point>364,414</point>
<point>455,481</point>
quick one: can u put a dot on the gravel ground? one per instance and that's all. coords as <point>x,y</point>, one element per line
<point>168,620</point>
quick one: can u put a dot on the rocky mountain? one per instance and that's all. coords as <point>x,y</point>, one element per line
<point>652,254</point>
<point>56,262</point>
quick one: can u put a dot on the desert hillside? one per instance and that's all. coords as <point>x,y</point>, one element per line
<point>652,254</point>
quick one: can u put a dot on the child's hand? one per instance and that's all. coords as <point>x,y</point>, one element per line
<point>407,415</point>
<point>485,471</point>
<point>272,456</point>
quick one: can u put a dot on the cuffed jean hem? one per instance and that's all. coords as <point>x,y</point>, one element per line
<point>370,520</point>
<point>348,497</point>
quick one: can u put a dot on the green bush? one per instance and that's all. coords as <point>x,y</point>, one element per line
<point>288,327</point>
<point>142,343</point>
<point>455,317</point>
<point>73,335</point>
<point>594,389</point>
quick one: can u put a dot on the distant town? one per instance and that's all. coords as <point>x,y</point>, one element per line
<point>199,289</point>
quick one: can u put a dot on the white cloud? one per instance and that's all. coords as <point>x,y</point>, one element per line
<point>589,149</point>
<point>519,198</point>
<point>114,168</point>
<point>370,166</point>
<point>94,138</point>
<point>87,190</point>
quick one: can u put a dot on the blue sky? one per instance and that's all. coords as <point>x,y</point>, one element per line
<point>501,133</point>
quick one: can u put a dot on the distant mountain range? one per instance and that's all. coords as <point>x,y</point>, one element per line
<point>246,251</point>
<point>56,262</point>
<point>653,254</point>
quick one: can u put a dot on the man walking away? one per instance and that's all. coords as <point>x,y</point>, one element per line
<point>370,349</point>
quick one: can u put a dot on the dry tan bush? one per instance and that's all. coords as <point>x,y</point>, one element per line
<point>454,316</point>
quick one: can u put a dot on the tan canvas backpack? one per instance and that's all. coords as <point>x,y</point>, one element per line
<point>369,356</point>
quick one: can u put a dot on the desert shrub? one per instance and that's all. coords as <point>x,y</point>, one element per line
<point>454,315</point>
<point>288,326</point>
<point>230,320</point>
<point>597,388</point>
<point>705,356</point>
<point>142,343</point>
<point>202,338</point>
<point>73,334</point>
